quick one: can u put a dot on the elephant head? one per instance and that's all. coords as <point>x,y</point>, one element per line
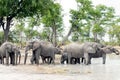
<point>92,47</point>
<point>109,50</point>
<point>31,45</point>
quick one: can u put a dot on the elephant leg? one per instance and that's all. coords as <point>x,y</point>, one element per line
<point>69,59</point>
<point>63,60</point>
<point>12,58</point>
<point>37,58</point>
<point>7,58</point>
<point>78,60</point>
<point>32,58</point>
<point>2,60</point>
<point>82,60</point>
<point>86,56</point>
<point>104,58</point>
<point>89,60</point>
<point>73,60</point>
<point>52,59</point>
<point>43,59</point>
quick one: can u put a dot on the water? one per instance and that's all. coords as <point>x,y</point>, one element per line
<point>95,71</point>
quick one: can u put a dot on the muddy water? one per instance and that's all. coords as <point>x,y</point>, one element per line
<point>95,71</point>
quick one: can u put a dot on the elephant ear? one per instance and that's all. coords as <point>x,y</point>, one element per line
<point>9,47</point>
<point>36,45</point>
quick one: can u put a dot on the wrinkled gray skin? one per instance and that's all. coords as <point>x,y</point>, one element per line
<point>77,51</point>
<point>102,53</point>
<point>72,51</point>
<point>90,48</point>
<point>43,49</point>
<point>48,51</point>
<point>7,50</point>
<point>35,51</point>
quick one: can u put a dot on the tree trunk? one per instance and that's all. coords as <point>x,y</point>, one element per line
<point>66,37</point>
<point>54,36</point>
<point>6,29</point>
<point>95,37</point>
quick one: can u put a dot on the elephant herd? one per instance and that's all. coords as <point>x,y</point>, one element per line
<point>72,53</point>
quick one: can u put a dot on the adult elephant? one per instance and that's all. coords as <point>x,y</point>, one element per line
<point>102,53</point>
<point>41,48</point>
<point>77,51</point>
<point>48,51</point>
<point>7,50</point>
<point>34,45</point>
<point>72,52</point>
<point>90,48</point>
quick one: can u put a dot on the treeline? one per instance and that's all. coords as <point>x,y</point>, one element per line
<point>24,20</point>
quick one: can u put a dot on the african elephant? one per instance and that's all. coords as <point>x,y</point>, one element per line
<point>72,52</point>
<point>48,51</point>
<point>90,48</point>
<point>41,48</point>
<point>35,51</point>
<point>7,50</point>
<point>102,53</point>
<point>77,51</point>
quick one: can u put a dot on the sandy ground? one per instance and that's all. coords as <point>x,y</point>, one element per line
<point>95,71</point>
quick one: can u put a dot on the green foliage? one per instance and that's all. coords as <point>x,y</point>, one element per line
<point>53,16</point>
<point>1,37</point>
<point>10,9</point>
<point>53,19</point>
<point>91,19</point>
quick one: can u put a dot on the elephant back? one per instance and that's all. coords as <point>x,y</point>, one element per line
<point>45,43</point>
<point>91,47</point>
<point>74,49</point>
<point>7,46</point>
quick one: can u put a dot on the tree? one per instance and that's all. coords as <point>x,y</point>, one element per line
<point>53,19</point>
<point>114,30</point>
<point>10,9</point>
<point>79,18</point>
<point>101,18</point>
<point>89,19</point>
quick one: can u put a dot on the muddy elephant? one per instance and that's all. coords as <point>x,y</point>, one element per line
<point>77,51</point>
<point>43,49</point>
<point>7,50</point>
<point>102,53</point>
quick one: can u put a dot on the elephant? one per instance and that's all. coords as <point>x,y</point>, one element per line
<point>72,52</point>
<point>7,50</point>
<point>48,51</point>
<point>77,51</point>
<point>102,53</point>
<point>89,48</point>
<point>41,48</point>
<point>35,51</point>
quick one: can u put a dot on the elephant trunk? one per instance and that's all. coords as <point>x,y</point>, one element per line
<point>16,58</point>
<point>25,57</point>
